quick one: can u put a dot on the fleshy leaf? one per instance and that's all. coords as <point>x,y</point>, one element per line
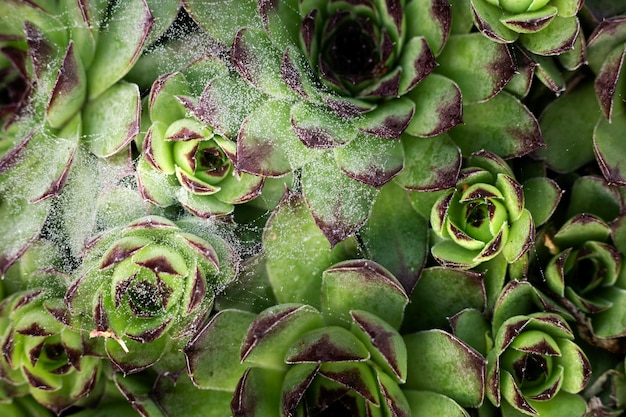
<point>119,44</point>
<point>396,236</point>
<point>487,19</point>
<point>567,128</point>
<point>267,145</point>
<point>521,237</point>
<point>592,195</point>
<point>441,363</point>
<point>558,37</point>
<point>274,330</point>
<point>435,20</point>
<point>541,195</point>
<point>111,121</point>
<point>455,290</point>
<point>258,393</point>
<point>371,160</point>
<point>388,120</point>
<point>219,20</point>
<point>479,66</point>
<point>608,147</point>
<point>213,355</point>
<point>339,204</point>
<point>69,90</point>
<point>326,344</point>
<point>295,261</point>
<point>361,285</point>
<point>438,106</point>
<point>502,125</point>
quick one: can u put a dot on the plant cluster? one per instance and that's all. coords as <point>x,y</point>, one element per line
<point>382,208</point>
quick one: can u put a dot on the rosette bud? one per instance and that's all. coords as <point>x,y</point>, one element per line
<point>483,216</point>
<point>184,161</point>
<point>42,356</point>
<point>145,287</point>
<point>534,367</point>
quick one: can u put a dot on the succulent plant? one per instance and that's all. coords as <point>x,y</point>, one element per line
<point>43,357</point>
<point>346,356</point>
<point>185,161</point>
<point>146,287</point>
<point>483,216</point>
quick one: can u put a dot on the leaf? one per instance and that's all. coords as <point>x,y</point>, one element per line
<point>218,20</point>
<point>371,160</point>
<point>119,44</point>
<point>608,146</point>
<point>502,125</point>
<point>396,236</point>
<point>542,196</point>
<point>558,37</point>
<point>295,261</point>
<point>487,19</point>
<point>162,102</point>
<point>566,125</point>
<point>440,294</point>
<point>213,355</point>
<point>68,94</point>
<point>431,19</point>
<point>592,195</point>
<point>431,164</point>
<point>438,106</point>
<point>428,403</point>
<point>441,363</point>
<point>480,67</point>
<point>267,145</point>
<point>111,121</point>
<point>339,204</point>
<point>361,285</point>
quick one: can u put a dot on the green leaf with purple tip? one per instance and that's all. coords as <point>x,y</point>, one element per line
<point>339,204</point>
<point>361,285</point>
<point>502,125</point>
<point>438,106</point>
<point>441,363</point>
<point>111,121</point>
<point>542,196</point>
<point>295,261</point>
<point>429,403</point>
<point>608,147</point>
<point>119,44</point>
<point>558,37</point>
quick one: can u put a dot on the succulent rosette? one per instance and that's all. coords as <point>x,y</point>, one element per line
<point>586,269</point>
<point>534,365</point>
<point>343,356</point>
<point>482,217</point>
<point>185,161</point>
<point>145,288</point>
<point>543,27</point>
<point>44,357</point>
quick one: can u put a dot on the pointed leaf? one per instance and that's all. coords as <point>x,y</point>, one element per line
<point>502,125</point>
<point>258,393</point>
<point>371,160</point>
<point>267,145</point>
<point>396,236</point>
<point>456,290</point>
<point>438,106</point>
<point>318,127</point>
<point>295,261</point>
<point>361,285</point>
<point>480,67</point>
<point>566,125</point>
<point>119,44</point>
<point>433,20</point>
<point>213,355</point>
<point>487,19</point>
<point>428,403</point>
<point>326,344</point>
<point>446,366</point>
<point>68,94</point>
<point>558,37</point>
<point>388,120</point>
<point>339,204</point>
<point>219,21</point>
<point>111,121</point>
<point>163,105</point>
<point>356,376</point>
<point>542,196</point>
<point>608,147</point>
<point>382,341</point>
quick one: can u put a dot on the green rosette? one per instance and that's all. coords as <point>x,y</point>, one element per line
<point>145,288</point>
<point>482,217</point>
